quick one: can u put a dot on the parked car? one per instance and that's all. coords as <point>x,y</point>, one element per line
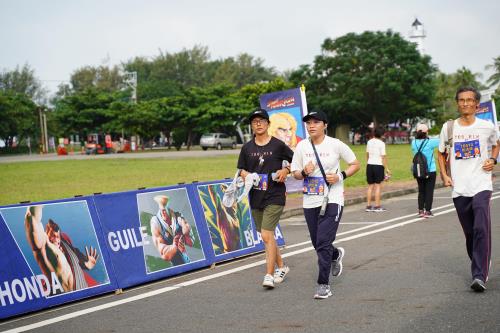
<point>217,141</point>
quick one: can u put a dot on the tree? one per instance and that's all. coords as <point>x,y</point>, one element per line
<point>107,79</point>
<point>23,81</point>
<point>370,77</point>
<point>446,87</point>
<point>171,74</point>
<point>18,117</point>
<point>85,111</point>
<point>465,77</point>
<point>242,70</point>
<point>494,79</point>
<point>19,90</point>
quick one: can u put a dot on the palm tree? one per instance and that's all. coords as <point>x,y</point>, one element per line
<point>494,79</point>
<point>465,77</point>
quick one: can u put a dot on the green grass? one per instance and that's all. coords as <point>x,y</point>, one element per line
<point>38,181</point>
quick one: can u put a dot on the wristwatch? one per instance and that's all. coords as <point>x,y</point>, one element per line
<point>304,174</point>
<point>494,160</point>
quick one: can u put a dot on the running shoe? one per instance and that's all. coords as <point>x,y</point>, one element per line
<point>478,285</point>
<point>268,281</point>
<point>337,263</point>
<point>323,291</point>
<point>280,273</point>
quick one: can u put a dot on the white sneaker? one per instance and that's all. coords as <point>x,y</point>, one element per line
<point>280,273</point>
<point>268,281</point>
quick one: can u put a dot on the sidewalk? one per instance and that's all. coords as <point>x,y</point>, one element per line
<point>356,195</point>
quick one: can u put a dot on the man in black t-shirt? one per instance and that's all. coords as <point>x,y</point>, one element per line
<point>264,155</point>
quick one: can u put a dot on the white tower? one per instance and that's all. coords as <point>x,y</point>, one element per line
<point>417,35</point>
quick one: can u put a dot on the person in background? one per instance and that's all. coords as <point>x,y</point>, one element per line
<point>425,185</point>
<point>376,169</point>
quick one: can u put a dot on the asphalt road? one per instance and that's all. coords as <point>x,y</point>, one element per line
<point>401,274</point>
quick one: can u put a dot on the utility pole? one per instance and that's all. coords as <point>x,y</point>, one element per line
<point>43,131</point>
<point>130,79</point>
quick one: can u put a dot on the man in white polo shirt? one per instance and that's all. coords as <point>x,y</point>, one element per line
<point>471,165</point>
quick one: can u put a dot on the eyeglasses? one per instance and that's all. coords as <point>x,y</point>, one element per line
<point>467,101</point>
<point>259,121</point>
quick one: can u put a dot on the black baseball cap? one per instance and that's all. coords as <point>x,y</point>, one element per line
<point>318,115</point>
<point>259,113</point>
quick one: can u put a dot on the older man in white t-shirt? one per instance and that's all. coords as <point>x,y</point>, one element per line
<point>376,169</point>
<point>471,165</point>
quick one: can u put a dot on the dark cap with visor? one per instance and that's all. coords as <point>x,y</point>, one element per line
<point>318,115</point>
<point>259,113</point>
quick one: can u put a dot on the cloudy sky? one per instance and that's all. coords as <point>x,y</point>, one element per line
<point>55,37</point>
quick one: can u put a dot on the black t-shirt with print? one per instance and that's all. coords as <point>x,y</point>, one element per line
<point>273,154</point>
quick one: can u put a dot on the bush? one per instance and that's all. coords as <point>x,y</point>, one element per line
<point>179,137</point>
<point>14,150</point>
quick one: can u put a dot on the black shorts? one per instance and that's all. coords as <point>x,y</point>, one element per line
<point>374,173</point>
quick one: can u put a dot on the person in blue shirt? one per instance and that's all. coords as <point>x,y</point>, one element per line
<point>425,186</point>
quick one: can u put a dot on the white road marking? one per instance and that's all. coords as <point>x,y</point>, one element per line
<point>219,274</point>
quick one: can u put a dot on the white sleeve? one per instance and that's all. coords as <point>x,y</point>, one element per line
<point>346,153</point>
<point>443,137</point>
<point>382,150</point>
<point>297,160</point>
<point>493,138</point>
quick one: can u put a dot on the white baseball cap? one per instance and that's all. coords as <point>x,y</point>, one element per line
<point>422,128</point>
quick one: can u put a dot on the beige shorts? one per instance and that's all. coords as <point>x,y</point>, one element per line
<point>267,218</point>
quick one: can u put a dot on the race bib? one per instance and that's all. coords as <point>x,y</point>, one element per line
<point>262,183</point>
<point>467,149</point>
<point>314,185</point>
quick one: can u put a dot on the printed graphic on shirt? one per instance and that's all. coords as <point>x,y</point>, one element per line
<point>262,183</point>
<point>314,185</point>
<point>467,149</point>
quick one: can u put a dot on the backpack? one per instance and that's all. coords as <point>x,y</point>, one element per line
<point>419,167</point>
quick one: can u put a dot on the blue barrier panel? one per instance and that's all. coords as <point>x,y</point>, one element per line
<point>231,230</point>
<point>60,251</point>
<point>151,234</point>
<point>51,253</point>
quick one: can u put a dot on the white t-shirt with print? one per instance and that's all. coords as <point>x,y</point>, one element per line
<point>375,149</point>
<point>330,152</point>
<point>469,151</point>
